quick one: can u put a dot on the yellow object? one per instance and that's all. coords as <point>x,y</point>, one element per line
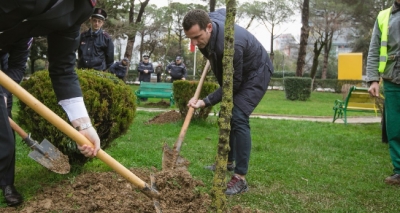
<point>350,66</point>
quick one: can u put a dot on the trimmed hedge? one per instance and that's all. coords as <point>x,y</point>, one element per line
<point>109,101</point>
<point>184,91</point>
<point>297,88</point>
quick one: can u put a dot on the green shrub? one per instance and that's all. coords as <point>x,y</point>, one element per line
<point>109,101</point>
<point>297,88</point>
<point>184,91</point>
<point>282,74</point>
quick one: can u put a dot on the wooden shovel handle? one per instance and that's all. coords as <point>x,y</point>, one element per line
<point>17,128</point>
<point>54,119</point>
<point>178,143</point>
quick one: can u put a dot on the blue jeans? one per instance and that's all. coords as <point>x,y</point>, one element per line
<point>240,141</point>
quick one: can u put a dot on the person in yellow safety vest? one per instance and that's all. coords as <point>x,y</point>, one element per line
<point>384,62</point>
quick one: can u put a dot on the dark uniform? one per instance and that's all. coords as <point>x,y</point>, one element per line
<point>145,66</point>
<point>96,50</point>
<point>119,69</point>
<point>178,71</point>
<point>13,63</point>
<point>60,20</point>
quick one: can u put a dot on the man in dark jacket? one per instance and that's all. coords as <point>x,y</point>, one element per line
<point>96,49</point>
<point>13,63</point>
<point>177,69</point>
<point>120,68</point>
<point>252,73</point>
<point>60,21</point>
<point>145,68</point>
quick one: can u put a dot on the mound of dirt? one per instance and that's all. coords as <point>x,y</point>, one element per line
<point>110,192</point>
<point>165,117</point>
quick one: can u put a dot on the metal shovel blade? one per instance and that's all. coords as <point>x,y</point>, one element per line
<point>50,157</point>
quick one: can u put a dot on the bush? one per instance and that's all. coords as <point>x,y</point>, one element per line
<point>297,88</point>
<point>184,91</point>
<point>110,103</point>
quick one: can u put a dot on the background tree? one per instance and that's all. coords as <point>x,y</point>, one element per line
<point>38,51</point>
<point>305,30</point>
<point>271,14</point>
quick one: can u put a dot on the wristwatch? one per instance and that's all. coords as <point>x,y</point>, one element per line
<point>83,126</point>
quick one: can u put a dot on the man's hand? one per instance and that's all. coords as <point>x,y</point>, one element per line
<point>183,78</point>
<point>374,89</point>
<point>91,134</point>
<point>146,71</point>
<point>196,103</point>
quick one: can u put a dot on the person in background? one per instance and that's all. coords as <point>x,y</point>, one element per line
<point>383,61</point>
<point>120,68</point>
<point>159,71</point>
<point>252,73</point>
<point>60,22</point>
<point>96,49</point>
<point>177,69</point>
<point>145,68</point>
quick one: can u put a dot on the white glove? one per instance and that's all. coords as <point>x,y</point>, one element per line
<point>91,134</point>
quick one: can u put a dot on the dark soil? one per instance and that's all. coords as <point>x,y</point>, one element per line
<point>110,192</point>
<point>166,117</point>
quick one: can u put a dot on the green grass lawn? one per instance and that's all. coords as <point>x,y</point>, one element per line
<point>295,166</point>
<point>275,102</point>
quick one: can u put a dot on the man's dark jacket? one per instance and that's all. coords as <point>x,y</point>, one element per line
<point>96,50</point>
<point>118,69</point>
<point>252,66</point>
<point>60,20</point>
<point>178,71</point>
<point>146,77</point>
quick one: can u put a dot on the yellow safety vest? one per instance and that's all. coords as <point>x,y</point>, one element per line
<point>383,23</point>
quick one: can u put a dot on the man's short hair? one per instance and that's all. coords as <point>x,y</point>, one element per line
<point>194,17</point>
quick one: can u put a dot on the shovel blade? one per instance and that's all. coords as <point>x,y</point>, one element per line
<point>50,157</point>
<point>172,160</point>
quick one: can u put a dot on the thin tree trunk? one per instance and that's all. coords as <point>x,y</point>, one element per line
<point>131,37</point>
<point>271,54</point>
<point>327,49</point>
<point>212,5</point>
<point>219,184</point>
<point>305,30</point>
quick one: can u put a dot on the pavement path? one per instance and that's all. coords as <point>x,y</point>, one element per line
<point>373,119</point>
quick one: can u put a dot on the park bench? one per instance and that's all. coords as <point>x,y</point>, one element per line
<point>155,90</point>
<point>357,99</point>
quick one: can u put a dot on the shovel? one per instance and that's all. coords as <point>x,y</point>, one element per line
<point>44,153</point>
<point>63,126</point>
<point>171,158</point>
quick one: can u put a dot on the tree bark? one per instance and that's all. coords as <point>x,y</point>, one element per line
<point>305,31</point>
<point>219,201</point>
<point>131,37</point>
<point>327,49</point>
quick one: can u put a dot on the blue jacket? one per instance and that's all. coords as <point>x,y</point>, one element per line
<point>145,66</point>
<point>96,50</point>
<point>118,69</point>
<point>178,71</point>
<point>251,63</point>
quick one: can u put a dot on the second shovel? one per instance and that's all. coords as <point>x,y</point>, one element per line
<point>45,153</point>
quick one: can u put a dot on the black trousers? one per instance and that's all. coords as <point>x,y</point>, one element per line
<point>7,146</point>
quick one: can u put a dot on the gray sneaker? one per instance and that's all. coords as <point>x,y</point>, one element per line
<point>229,167</point>
<point>393,179</point>
<point>236,186</point>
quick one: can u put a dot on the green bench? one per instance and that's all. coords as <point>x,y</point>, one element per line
<point>358,99</point>
<point>155,90</point>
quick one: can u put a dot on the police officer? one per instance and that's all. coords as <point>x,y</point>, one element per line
<point>177,69</point>
<point>60,21</point>
<point>96,50</point>
<point>145,68</point>
<point>119,68</point>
